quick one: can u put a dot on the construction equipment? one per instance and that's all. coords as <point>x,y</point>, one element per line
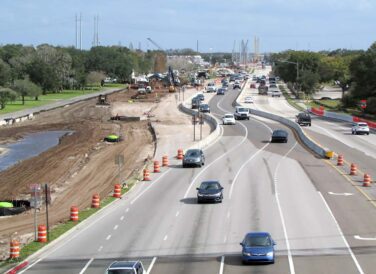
<point>102,100</point>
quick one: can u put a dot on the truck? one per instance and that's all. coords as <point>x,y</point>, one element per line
<point>241,113</point>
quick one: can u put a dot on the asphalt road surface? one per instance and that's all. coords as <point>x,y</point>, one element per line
<point>279,188</point>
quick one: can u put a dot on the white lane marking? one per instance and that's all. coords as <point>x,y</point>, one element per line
<point>116,227</point>
<point>291,262</point>
<point>149,186</point>
<point>220,157</point>
<point>243,165</point>
<point>108,237</point>
<point>364,239</point>
<point>222,265</point>
<point>31,265</point>
<point>165,238</point>
<point>343,237</point>
<point>121,218</point>
<point>228,214</point>
<point>100,248</point>
<point>225,239</point>
<point>127,209</point>
<point>86,266</point>
<point>151,265</point>
<point>340,194</point>
<point>177,214</point>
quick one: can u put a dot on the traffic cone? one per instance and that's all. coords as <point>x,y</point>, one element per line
<point>367,180</point>
<point>340,160</point>
<point>353,169</point>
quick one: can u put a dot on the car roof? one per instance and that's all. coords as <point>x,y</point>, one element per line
<point>257,233</point>
<point>210,182</point>
<point>279,131</point>
<point>123,264</point>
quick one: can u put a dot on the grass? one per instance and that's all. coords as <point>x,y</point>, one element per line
<point>327,104</point>
<point>30,102</point>
<point>60,229</point>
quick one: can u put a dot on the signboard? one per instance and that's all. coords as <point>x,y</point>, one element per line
<point>36,193</point>
<point>363,104</point>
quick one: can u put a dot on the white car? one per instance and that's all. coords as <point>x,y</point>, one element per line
<point>276,93</point>
<point>248,100</point>
<point>228,119</point>
<point>360,128</point>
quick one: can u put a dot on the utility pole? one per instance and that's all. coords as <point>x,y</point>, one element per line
<point>80,31</point>
<point>197,46</point>
<point>76,32</point>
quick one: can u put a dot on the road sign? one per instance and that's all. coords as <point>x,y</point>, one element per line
<point>363,104</point>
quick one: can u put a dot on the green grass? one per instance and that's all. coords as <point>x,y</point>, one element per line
<point>327,104</point>
<point>52,97</point>
<point>60,229</point>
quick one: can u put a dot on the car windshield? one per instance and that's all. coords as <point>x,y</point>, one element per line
<point>242,109</point>
<point>362,125</point>
<point>121,271</point>
<point>257,241</point>
<point>279,133</point>
<point>209,185</point>
<point>229,116</point>
<point>193,153</point>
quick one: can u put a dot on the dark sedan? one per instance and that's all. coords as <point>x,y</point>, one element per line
<point>204,108</point>
<point>194,157</point>
<point>210,191</point>
<point>221,91</point>
<point>280,136</point>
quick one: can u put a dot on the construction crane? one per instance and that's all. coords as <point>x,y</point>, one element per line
<point>155,44</point>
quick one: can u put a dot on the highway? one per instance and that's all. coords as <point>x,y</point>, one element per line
<point>279,188</point>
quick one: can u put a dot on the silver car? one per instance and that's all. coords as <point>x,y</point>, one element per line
<point>194,157</point>
<point>360,128</point>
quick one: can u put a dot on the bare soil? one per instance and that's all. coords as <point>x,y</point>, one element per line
<point>81,165</point>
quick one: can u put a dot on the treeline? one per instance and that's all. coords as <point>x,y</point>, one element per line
<point>31,71</point>
<point>353,71</point>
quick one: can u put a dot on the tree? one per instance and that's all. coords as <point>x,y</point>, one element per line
<point>26,88</point>
<point>94,78</point>
<point>5,73</point>
<point>6,95</point>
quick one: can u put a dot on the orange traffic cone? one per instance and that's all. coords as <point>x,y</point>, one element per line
<point>353,169</point>
<point>340,160</point>
<point>366,180</point>
<point>146,175</point>
<point>117,191</point>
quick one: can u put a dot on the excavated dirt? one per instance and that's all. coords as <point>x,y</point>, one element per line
<point>81,165</point>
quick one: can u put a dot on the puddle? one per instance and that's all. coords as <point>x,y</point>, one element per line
<point>31,145</point>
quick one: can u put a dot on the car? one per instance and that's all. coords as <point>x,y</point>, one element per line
<point>253,85</point>
<point>276,93</point>
<point>258,247</point>
<point>221,91</point>
<point>271,86</point>
<point>360,128</point>
<point>196,102</point>
<point>225,84</point>
<point>248,100</point>
<point>204,108</point>
<point>279,135</point>
<point>236,84</point>
<point>194,157</point>
<point>225,88</point>
<point>125,267</point>
<point>200,96</point>
<point>211,88</point>
<point>210,191</point>
<point>241,113</point>
<point>228,119</point>
<point>303,119</point>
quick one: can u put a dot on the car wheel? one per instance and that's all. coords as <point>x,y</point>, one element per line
<point>352,132</point>
<point>367,133</point>
<point>247,118</point>
<point>309,124</point>
<point>286,141</point>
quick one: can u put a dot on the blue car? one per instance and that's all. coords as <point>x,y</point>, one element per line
<point>258,247</point>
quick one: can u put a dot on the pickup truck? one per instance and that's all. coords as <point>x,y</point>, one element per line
<point>241,113</point>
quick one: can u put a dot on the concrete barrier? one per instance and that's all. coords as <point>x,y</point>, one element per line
<point>291,124</point>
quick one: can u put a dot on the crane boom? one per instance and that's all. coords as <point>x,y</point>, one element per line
<point>155,44</point>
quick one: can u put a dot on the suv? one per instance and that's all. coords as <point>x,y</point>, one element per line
<point>241,113</point>
<point>303,119</point>
<point>128,267</point>
<point>360,128</point>
<point>211,89</point>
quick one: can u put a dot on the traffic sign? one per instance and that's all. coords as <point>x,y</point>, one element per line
<point>363,104</point>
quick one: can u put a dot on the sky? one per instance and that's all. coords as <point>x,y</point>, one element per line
<point>217,25</point>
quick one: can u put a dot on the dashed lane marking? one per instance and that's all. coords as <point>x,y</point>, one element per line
<point>121,218</point>
<point>108,237</point>
<point>116,227</point>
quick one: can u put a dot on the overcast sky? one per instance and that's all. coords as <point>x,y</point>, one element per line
<point>280,24</point>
